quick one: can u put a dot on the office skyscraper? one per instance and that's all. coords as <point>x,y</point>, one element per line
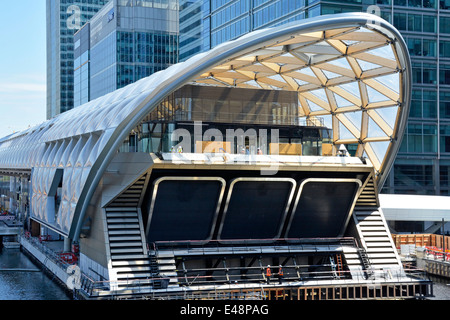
<point>423,163</point>
<point>64,18</point>
<point>124,42</point>
<point>130,41</point>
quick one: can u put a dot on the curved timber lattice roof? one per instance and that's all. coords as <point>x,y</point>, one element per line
<point>349,76</point>
<point>352,69</point>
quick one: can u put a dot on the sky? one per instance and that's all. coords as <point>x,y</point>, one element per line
<point>22,65</point>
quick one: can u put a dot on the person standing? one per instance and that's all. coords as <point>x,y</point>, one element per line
<point>280,274</point>
<point>268,274</point>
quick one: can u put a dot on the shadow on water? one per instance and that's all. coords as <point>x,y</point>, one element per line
<point>22,279</point>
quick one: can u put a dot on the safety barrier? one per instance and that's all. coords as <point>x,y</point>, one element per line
<point>393,287</point>
<point>437,253</point>
<point>422,240</point>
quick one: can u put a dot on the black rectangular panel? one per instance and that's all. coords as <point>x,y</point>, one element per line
<point>184,209</point>
<point>256,209</point>
<point>323,209</point>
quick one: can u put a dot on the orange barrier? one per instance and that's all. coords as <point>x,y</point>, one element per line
<point>422,240</point>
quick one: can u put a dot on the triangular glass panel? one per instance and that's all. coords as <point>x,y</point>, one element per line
<point>327,121</point>
<point>320,93</point>
<point>373,130</point>
<point>307,71</point>
<point>313,106</point>
<point>355,118</point>
<point>322,47</point>
<point>352,88</point>
<point>342,62</point>
<point>344,133</point>
<point>375,96</point>
<point>277,77</point>
<point>389,115</point>
<point>385,52</point>
<point>300,82</point>
<point>366,65</point>
<point>380,149</point>
<point>391,81</point>
<point>331,75</point>
<point>341,102</point>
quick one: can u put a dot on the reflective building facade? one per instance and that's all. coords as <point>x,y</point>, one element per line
<point>423,163</point>
<point>130,40</point>
<point>82,65</point>
<point>64,18</point>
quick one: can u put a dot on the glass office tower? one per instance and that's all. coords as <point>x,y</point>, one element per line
<point>130,40</point>
<point>64,18</point>
<point>423,163</point>
<point>190,28</point>
<point>82,64</point>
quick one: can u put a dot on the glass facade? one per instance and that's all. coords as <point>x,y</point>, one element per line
<point>81,66</point>
<point>131,40</point>
<point>190,28</point>
<point>64,18</point>
<point>422,163</point>
<point>217,111</point>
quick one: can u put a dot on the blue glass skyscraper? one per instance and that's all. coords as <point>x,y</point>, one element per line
<point>64,18</point>
<point>128,40</point>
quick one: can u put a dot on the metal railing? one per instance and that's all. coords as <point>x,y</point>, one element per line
<point>49,253</point>
<point>254,288</point>
<point>235,282</point>
<point>237,246</point>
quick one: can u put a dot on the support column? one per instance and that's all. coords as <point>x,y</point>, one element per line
<point>67,244</point>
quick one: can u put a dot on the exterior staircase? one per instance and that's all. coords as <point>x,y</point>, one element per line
<point>130,262</point>
<point>377,250</point>
<point>166,268</point>
<point>131,268</point>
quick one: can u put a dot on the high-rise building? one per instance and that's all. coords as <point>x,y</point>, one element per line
<point>423,163</point>
<point>127,41</point>
<point>190,28</point>
<point>81,74</point>
<point>64,18</point>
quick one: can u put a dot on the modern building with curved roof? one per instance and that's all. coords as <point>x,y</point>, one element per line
<point>237,156</point>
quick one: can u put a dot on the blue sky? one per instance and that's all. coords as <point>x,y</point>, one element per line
<point>22,65</point>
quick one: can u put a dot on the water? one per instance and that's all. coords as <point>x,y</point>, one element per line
<point>31,283</point>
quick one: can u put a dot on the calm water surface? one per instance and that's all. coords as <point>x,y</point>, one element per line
<point>28,281</point>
